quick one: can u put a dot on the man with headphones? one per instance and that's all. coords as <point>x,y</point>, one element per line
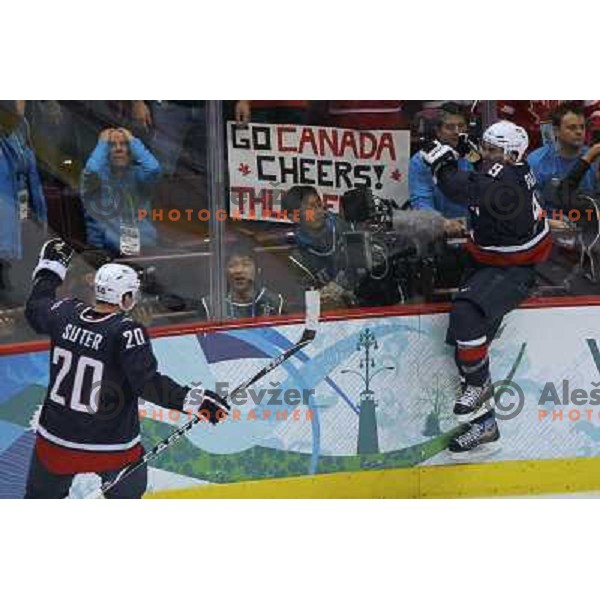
<point>101,363</point>
<point>319,258</point>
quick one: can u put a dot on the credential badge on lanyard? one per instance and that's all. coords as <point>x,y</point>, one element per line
<point>130,234</point>
<point>23,201</point>
<point>130,240</point>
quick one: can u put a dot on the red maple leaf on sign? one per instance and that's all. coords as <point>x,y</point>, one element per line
<point>244,169</point>
<point>396,175</point>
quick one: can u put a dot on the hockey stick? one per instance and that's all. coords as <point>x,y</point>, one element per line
<point>308,334</point>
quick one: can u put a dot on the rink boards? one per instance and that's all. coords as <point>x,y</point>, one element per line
<point>302,433</point>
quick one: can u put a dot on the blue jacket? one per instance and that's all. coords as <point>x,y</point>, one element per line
<point>18,171</point>
<point>425,195</point>
<point>110,198</point>
<point>547,164</point>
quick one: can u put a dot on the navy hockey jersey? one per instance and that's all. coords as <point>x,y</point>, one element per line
<point>509,226</point>
<point>100,364</point>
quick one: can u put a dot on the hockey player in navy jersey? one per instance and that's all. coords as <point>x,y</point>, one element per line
<point>101,362</point>
<point>509,236</point>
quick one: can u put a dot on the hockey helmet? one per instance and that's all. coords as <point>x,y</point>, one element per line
<point>510,137</point>
<point>113,281</point>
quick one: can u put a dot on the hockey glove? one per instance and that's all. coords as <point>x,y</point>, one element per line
<point>206,402</point>
<point>55,256</point>
<point>467,147</point>
<point>436,155</point>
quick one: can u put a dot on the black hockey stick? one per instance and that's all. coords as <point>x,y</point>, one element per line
<point>308,334</point>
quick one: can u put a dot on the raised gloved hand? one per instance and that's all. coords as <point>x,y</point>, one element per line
<point>437,155</point>
<point>55,256</point>
<point>206,402</point>
<point>467,147</point>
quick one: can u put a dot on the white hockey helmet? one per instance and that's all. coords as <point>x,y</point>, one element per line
<point>113,281</point>
<point>508,136</point>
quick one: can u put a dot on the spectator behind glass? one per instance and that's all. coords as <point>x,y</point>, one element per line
<point>119,180</point>
<point>246,295</point>
<point>448,122</point>
<point>552,162</point>
<point>319,259</point>
<point>22,203</point>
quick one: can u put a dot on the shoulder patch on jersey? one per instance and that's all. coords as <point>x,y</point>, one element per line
<point>58,303</point>
<point>76,303</point>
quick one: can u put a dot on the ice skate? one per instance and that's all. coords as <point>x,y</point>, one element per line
<point>480,439</point>
<point>474,402</point>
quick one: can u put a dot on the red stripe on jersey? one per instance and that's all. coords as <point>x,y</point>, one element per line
<point>66,461</point>
<point>537,254</point>
<point>471,354</point>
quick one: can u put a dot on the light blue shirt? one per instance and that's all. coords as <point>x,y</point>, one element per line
<point>131,190</point>
<point>425,195</point>
<point>549,168</point>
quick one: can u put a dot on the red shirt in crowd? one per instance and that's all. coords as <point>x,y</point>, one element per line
<point>367,114</point>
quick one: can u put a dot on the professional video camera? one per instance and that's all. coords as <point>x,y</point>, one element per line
<point>394,247</point>
<point>404,232</point>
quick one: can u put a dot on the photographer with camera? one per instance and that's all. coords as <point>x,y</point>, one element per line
<point>446,125</point>
<point>510,235</point>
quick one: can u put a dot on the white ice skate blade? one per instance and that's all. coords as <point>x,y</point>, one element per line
<point>477,454</point>
<point>488,405</point>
